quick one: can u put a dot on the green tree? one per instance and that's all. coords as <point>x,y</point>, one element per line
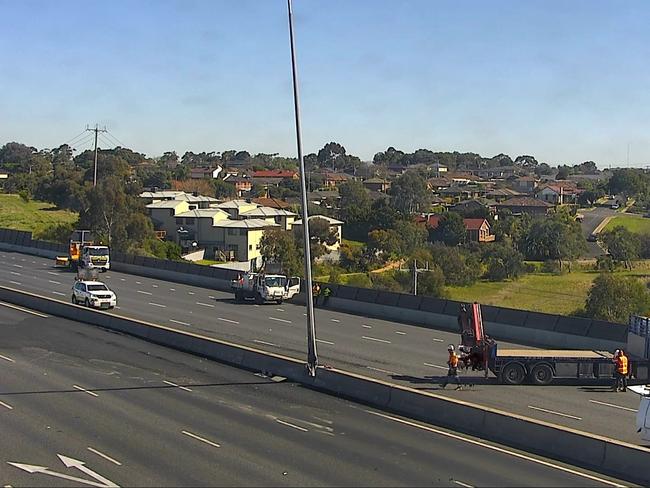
<point>321,234</point>
<point>622,245</point>
<point>355,204</point>
<point>450,230</point>
<point>409,193</point>
<point>223,189</point>
<point>278,246</point>
<point>615,298</point>
<point>460,268</point>
<point>432,283</point>
<point>502,262</point>
<point>556,237</point>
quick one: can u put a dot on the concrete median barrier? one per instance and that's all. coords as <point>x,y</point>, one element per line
<point>590,451</point>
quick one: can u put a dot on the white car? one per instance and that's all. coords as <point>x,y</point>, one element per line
<point>93,294</point>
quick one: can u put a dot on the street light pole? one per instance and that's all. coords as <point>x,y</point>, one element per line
<point>312,354</point>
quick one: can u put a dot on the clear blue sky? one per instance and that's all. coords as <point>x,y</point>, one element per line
<point>565,81</point>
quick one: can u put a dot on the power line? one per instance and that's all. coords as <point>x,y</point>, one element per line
<point>83,141</point>
<point>70,141</point>
<point>120,143</point>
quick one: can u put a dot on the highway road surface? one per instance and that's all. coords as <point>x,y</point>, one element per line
<point>82,406</point>
<point>408,355</point>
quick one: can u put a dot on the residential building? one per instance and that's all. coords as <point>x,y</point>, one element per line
<point>377,184</point>
<point>196,226</point>
<point>335,225</point>
<point>236,207</point>
<point>205,172</point>
<point>242,184</point>
<point>273,177</point>
<point>194,199</point>
<point>333,180</point>
<point>525,184</point>
<point>502,194</point>
<point>478,230</point>
<point>272,202</point>
<point>436,184</point>
<point>438,170</point>
<point>241,239</point>
<point>528,205</point>
<point>558,193</point>
<point>474,205</point>
<point>163,216</point>
<point>283,218</point>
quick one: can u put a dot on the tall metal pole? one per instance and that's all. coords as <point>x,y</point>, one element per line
<point>95,172</point>
<point>312,354</point>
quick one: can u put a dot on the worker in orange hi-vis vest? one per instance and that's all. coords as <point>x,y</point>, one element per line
<point>620,374</point>
<point>452,372</point>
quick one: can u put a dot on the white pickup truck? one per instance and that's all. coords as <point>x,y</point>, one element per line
<point>265,287</point>
<point>643,414</point>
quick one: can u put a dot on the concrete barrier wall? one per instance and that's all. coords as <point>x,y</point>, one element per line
<point>598,453</point>
<point>532,328</point>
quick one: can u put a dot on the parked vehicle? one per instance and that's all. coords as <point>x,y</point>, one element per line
<point>93,294</point>
<point>263,287</point>
<point>537,366</point>
<point>643,414</point>
<point>84,252</point>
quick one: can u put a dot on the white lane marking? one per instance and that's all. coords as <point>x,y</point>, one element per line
<point>607,405</point>
<point>211,297</point>
<point>335,320</point>
<point>400,332</point>
<point>15,282</point>
<point>7,358</point>
<point>366,326</point>
<point>101,454</point>
<point>325,342</point>
<point>372,368</point>
<point>265,343</point>
<point>199,438</point>
<point>297,427</point>
<point>280,309</point>
<point>6,405</point>
<point>280,320</point>
<point>172,289</point>
<point>122,279</point>
<point>177,386</point>
<point>138,283</point>
<point>205,304</point>
<point>26,310</point>
<point>16,265</point>
<point>145,292</point>
<point>58,293</point>
<point>15,273</point>
<point>464,485</point>
<point>157,305</point>
<point>375,339</point>
<point>435,366</point>
<point>85,391</point>
<point>55,282</point>
<point>154,286</point>
<point>179,322</point>
<point>53,273</point>
<point>33,262</point>
<point>190,293</point>
<point>496,448</point>
<point>554,412</point>
<point>227,320</point>
<point>437,340</point>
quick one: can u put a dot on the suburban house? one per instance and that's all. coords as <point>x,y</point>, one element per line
<point>502,194</point>
<point>499,172</point>
<point>272,202</point>
<point>333,180</point>
<point>436,184</point>
<point>273,177</point>
<point>528,205</point>
<point>242,184</point>
<point>193,199</point>
<point>163,216</point>
<point>284,218</point>
<point>474,205</point>
<point>334,224</point>
<point>558,194</point>
<point>478,230</point>
<point>377,184</point>
<point>438,170</point>
<point>204,172</point>
<point>525,184</point>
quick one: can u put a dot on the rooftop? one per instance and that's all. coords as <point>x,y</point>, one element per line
<point>203,213</point>
<point>236,204</point>
<point>267,212</point>
<point>165,204</point>
<point>524,202</point>
<point>245,224</point>
<point>324,217</point>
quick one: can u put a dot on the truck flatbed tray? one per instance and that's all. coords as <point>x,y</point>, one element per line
<point>553,353</point>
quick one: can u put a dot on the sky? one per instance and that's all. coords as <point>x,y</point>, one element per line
<point>563,81</point>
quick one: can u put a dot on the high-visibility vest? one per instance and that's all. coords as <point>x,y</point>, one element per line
<point>621,364</point>
<point>453,360</point>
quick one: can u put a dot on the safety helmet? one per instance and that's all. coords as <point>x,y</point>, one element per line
<point>617,352</point>
<point>451,347</point>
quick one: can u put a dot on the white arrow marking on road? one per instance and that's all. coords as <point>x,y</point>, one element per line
<point>80,465</point>
<point>30,468</point>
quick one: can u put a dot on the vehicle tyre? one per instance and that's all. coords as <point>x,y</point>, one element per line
<point>74,299</point>
<point>87,302</point>
<point>279,302</point>
<point>513,374</point>
<point>541,374</point>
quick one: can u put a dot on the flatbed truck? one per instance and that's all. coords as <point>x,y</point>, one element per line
<point>536,366</point>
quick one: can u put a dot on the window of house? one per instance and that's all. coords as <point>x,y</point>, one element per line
<point>189,221</point>
<point>179,221</point>
<point>250,247</point>
<point>232,232</point>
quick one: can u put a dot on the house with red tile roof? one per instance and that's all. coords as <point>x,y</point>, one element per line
<point>478,230</point>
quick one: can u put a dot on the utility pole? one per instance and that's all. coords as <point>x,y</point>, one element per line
<point>417,271</point>
<point>312,355</point>
<point>96,130</point>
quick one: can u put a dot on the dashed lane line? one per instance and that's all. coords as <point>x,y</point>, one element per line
<point>325,342</point>
<point>6,405</point>
<point>227,320</point>
<point>58,293</point>
<point>179,322</point>
<point>54,282</point>
<point>293,426</point>
<point>553,412</point>
<point>157,305</point>
<point>145,292</point>
<point>366,326</point>
<point>435,366</point>
<point>280,320</point>
<point>265,343</point>
<point>376,340</point>
<point>105,456</point>
<point>614,406</point>
<point>92,393</point>
<point>205,304</point>
<point>6,358</point>
<point>199,438</point>
<point>399,332</point>
<point>177,386</point>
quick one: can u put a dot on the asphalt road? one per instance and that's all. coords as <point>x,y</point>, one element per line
<point>82,406</point>
<point>407,355</point>
<point>592,218</point>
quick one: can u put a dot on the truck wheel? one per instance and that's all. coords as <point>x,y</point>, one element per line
<point>541,374</point>
<point>513,374</point>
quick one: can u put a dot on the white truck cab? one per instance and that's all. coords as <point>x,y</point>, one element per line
<point>93,294</point>
<point>643,414</point>
<point>265,287</point>
<point>95,257</point>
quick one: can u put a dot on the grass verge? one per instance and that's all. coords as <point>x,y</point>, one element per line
<point>33,216</point>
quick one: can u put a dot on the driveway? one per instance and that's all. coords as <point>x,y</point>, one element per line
<point>592,218</point>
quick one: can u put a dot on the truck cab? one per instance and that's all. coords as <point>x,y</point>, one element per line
<point>95,257</point>
<point>265,287</point>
